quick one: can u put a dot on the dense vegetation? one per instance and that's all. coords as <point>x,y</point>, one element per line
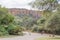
<point>7,26</point>
<point>50,19</point>
<point>26,21</point>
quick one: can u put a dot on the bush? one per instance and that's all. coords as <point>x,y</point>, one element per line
<point>14,30</point>
<point>36,29</point>
<point>58,32</point>
<point>6,23</point>
<point>3,31</point>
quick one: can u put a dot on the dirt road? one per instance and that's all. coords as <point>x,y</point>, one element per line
<point>33,36</point>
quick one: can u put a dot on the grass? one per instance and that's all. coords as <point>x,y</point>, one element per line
<point>49,38</point>
<point>9,36</point>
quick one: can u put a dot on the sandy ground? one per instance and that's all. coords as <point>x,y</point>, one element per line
<point>33,36</point>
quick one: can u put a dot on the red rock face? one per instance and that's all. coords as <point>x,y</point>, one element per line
<point>16,11</point>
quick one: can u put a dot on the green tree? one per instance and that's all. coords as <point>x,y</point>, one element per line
<point>53,23</point>
<point>5,19</point>
<point>51,18</point>
<point>26,21</point>
<point>5,16</point>
<point>45,4</point>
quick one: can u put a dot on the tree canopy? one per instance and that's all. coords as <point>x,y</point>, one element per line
<point>45,4</point>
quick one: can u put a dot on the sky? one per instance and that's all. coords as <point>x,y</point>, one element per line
<point>16,3</point>
<point>59,1</point>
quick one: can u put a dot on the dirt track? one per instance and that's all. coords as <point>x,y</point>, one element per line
<point>33,36</point>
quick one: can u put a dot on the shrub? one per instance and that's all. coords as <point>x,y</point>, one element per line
<point>14,30</point>
<point>3,31</point>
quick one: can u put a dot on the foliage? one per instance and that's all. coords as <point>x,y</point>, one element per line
<point>3,31</point>
<point>53,23</point>
<point>7,26</point>
<point>45,4</point>
<point>7,19</point>
<point>50,19</point>
<point>14,30</point>
<point>26,21</point>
